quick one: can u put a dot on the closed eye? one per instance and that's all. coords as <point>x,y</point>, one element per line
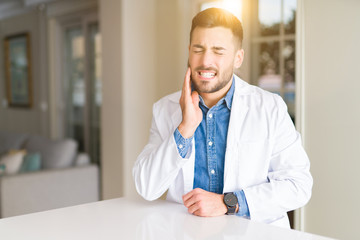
<point>219,50</point>
<point>197,48</point>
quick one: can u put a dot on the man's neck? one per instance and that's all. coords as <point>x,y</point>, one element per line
<point>210,99</point>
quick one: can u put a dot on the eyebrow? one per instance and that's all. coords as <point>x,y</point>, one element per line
<point>198,46</point>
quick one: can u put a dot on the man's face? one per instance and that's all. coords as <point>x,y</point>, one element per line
<point>212,58</point>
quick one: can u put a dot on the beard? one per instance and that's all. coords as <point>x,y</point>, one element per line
<point>222,79</point>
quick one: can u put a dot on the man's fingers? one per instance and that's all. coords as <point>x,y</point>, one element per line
<point>187,78</point>
<point>187,196</point>
<point>195,97</point>
<point>187,75</point>
<point>186,89</point>
<point>193,208</point>
<point>191,193</point>
<point>198,213</point>
<point>190,201</point>
<point>187,85</point>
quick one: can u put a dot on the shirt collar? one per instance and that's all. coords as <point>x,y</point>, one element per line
<point>228,97</point>
<point>230,94</point>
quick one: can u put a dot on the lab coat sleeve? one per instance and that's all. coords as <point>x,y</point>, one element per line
<point>159,163</point>
<point>289,180</point>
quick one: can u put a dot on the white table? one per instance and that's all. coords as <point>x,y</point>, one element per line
<point>137,219</point>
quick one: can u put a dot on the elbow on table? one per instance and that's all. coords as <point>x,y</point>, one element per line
<point>304,190</point>
<point>144,193</point>
<point>143,189</point>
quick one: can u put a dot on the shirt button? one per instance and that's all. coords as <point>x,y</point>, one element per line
<point>210,115</point>
<point>212,171</point>
<point>210,143</point>
<point>180,146</point>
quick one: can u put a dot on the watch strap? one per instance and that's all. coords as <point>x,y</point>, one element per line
<point>230,210</point>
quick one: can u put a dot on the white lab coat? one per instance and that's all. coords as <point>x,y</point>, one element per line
<point>264,156</point>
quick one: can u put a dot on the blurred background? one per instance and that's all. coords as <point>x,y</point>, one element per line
<point>90,70</point>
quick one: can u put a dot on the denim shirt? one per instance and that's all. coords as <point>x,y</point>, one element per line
<point>210,147</point>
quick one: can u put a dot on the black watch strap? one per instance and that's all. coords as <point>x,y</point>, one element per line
<point>231,210</point>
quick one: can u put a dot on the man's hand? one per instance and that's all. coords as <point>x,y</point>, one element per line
<point>191,112</point>
<point>204,204</point>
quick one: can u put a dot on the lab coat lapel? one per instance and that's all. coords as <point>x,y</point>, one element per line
<point>239,111</point>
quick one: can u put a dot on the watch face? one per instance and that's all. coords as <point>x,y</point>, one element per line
<point>230,199</point>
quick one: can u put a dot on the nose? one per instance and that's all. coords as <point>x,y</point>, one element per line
<point>207,59</point>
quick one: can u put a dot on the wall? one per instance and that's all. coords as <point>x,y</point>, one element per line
<point>172,37</point>
<point>35,119</point>
<point>168,37</point>
<point>129,80</point>
<point>332,116</point>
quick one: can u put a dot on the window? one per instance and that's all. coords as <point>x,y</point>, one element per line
<point>273,49</point>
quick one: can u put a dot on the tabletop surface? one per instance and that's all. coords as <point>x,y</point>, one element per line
<point>123,218</point>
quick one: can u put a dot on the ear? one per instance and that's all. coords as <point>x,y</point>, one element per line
<point>239,57</point>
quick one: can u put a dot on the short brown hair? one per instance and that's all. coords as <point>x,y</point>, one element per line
<point>217,17</point>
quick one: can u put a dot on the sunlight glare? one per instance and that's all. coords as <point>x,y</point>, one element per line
<point>233,6</point>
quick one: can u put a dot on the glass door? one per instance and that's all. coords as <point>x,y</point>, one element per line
<point>82,87</point>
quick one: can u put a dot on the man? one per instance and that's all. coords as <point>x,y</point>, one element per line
<point>223,146</point>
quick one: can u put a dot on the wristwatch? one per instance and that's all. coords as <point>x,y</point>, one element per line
<point>230,201</point>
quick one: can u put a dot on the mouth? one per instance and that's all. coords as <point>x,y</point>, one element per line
<point>206,75</point>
